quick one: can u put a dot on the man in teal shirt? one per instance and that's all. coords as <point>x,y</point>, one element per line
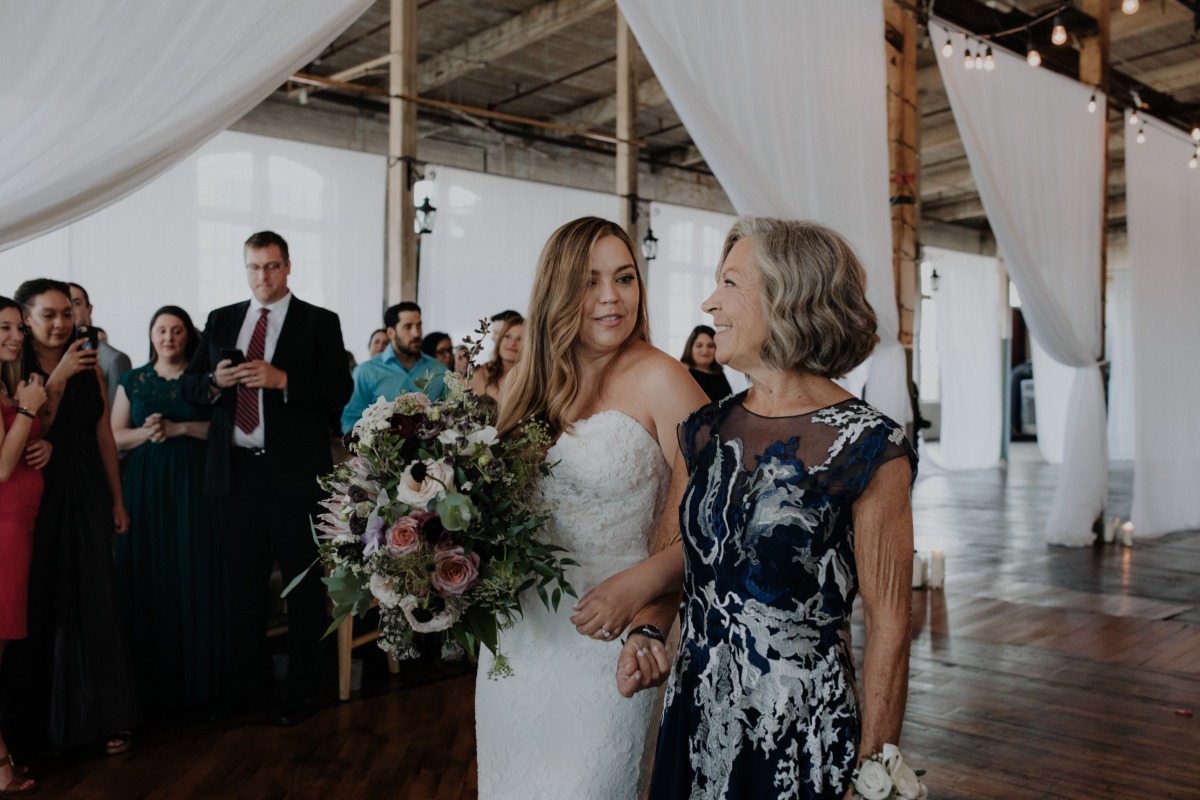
<point>399,369</point>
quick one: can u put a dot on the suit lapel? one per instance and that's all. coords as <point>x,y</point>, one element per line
<point>235,319</point>
<point>293,323</point>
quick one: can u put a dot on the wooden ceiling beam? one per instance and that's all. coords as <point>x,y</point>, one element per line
<point>600,112</point>
<point>508,37</point>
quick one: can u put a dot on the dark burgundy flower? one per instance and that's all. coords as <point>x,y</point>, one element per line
<point>356,494</point>
<point>358,525</point>
<point>429,524</point>
<point>405,425</point>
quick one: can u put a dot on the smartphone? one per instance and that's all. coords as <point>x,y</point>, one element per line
<point>90,336</point>
<point>234,355</point>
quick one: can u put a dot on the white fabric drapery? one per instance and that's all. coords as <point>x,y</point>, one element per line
<point>968,302</point>
<point>104,96</point>
<point>178,240</point>
<point>788,103</point>
<point>1037,156</point>
<point>1164,238</point>
<point>1121,403</point>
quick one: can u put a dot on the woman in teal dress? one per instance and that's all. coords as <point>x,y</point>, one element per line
<point>169,567</point>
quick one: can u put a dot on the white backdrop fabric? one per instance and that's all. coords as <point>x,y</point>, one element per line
<point>105,95</point>
<point>1121,381</point>
<point>178,240</point>
<point>1164,238</point>
<point>969,298</point>
<point>684,275</point>
<point>482,255</point>
<point>788,103</point>
<point>1037,156</point>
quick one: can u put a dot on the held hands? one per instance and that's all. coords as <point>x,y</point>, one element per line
<point>31,394</point>
<point>610,606</point>
<point>253,374</point>
<point>643,663</point>
<point>158,428</point>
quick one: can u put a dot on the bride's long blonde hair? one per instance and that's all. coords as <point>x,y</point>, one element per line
<point>545,382</point>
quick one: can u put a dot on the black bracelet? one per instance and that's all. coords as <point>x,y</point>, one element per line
<point>649,631</point>
<point>26,412</point>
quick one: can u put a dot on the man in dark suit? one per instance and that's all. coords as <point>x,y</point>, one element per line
<point>273,369</point>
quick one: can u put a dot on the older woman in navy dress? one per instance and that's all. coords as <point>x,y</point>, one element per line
<point>797,502</point>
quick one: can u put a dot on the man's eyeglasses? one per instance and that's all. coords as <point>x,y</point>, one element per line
<point>273,266</point>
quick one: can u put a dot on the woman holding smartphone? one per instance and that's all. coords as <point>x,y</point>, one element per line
<point>73,669</point>
<point>169,568</point>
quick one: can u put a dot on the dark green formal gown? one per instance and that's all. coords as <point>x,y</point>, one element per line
<point>170,565</point>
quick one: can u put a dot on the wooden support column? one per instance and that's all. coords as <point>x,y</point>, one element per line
<point>401,278</point>
<point>627,155</point>
<point>903,152</point>
<point>1093,70</point>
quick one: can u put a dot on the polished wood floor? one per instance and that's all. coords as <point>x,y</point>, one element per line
<point>1039,672</point>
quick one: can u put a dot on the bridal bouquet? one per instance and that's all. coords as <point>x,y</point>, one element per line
<point>437,518</point>
<point>885,776</point>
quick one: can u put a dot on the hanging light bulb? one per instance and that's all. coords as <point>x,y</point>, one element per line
<point>1092,104</point>
<point>978,60</point>
<point>1032,56</point>
<point>989,63</point>
<point>947,48</point>
<point>1195,159</point>
<point>1141,137</point>
<point>1196,134</point>
<point>1059,35</point>
<point>1129,6</point>
<point>968,59</point>
<point>1133,117</point>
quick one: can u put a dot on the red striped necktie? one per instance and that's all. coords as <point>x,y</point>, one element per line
<point>246,416</point>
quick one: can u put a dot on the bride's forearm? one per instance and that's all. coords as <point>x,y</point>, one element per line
<point>662,572</point>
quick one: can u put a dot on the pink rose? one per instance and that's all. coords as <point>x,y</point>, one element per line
<point>454,572</point>
<point>404,536</point>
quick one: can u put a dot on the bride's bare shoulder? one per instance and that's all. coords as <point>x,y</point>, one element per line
<point>646,364</point>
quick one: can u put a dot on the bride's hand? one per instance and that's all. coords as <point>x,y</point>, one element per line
<point>643,663</point>
<point>610,606</point>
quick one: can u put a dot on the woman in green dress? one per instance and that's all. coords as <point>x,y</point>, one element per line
<point>170,569</point>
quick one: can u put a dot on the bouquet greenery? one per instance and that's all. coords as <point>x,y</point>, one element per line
<point>437,517</point>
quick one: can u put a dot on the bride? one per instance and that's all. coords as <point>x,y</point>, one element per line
<point>613,401</point>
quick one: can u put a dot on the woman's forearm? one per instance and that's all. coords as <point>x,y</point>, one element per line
<point>885,681</point>
<point>130,438</point>
<point>196,430</point>
<point>12,450</point>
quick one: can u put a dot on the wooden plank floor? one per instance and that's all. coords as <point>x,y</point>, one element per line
<point>1040,673</point>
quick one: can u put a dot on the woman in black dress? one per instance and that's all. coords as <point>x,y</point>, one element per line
<point>78,685</point>
<point>700,355</point>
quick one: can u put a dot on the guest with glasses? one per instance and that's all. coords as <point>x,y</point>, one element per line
<point>440,346</point>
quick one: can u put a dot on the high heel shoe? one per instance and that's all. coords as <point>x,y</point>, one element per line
<point>20,785</point>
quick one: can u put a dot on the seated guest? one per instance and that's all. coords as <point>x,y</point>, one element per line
<point>488,380</point>
<point>440,346</point>
<point>378,342</point>
<point>401,368</point>
<point>700,355</point>
<point>20,493</point>
<point>169,568</point>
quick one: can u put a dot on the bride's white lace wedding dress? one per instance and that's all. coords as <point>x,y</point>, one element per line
<point>558,728</point>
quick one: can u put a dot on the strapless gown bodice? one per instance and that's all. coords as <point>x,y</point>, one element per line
<point>557,727</point>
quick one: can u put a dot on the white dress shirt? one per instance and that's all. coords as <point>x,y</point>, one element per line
<point>278,309</point>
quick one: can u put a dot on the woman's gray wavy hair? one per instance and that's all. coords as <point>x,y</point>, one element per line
<point>813,295</point>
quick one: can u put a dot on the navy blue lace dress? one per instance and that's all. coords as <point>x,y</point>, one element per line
<point>762,700</point>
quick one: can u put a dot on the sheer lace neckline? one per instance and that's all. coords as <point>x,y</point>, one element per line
<point>741,400</point>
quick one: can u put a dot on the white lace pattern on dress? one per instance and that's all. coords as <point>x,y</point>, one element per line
<point>557,728</point>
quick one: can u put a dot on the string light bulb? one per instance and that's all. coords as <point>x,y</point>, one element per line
<point>1133,117</point>
<point>989,63</point>
<point>948,48</point>
<point>1196,134</point>
<point>1032,56</point>
<point>1195,159</point>
<point>1129,6</point>
<point>1059,35</point>
<point>1141,137</point>
<point>1092,104</point>
<point>978,60</point>
<point>968,59</point>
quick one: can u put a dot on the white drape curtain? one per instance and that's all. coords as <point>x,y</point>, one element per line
<point>969,298</point>
<point>1164,238</point>
<point>105,95</point>
<point>684,275</point>
<point>1121,382</point>
<point>482,255</point>
<point>788,103</point>
<point>1037,156</point>
<point>178,240</point>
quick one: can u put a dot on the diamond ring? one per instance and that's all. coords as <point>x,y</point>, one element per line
<point>605,633</point>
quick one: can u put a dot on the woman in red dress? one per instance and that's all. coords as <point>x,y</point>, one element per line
<point>20,494</point>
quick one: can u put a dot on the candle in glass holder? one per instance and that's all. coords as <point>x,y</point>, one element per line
<point>1127,534</point>
<point>1110,529</point>
<point>937,569</point>
<point>918,579</point>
